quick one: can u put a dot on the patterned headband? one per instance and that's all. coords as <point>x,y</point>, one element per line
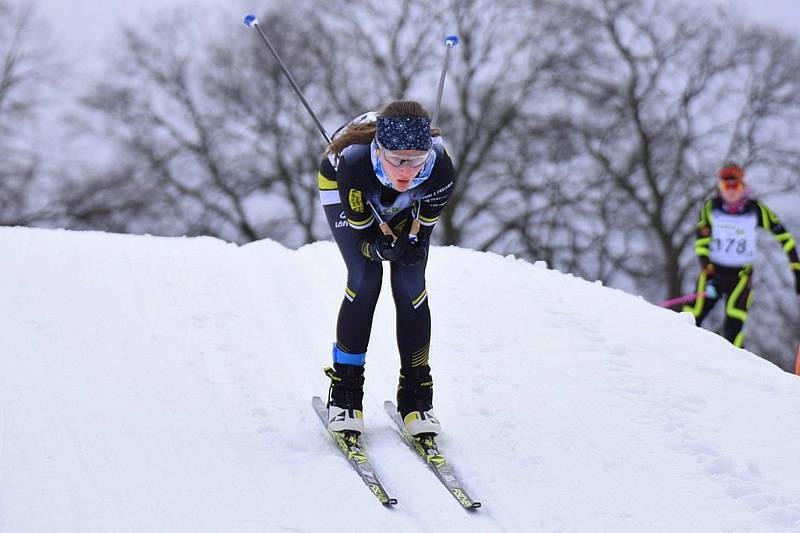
<point>404,133</point>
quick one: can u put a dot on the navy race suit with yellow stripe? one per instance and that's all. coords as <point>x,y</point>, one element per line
<point>725,246</point>
<point>347,193</point>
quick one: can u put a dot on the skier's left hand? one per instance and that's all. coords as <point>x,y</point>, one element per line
<point>416,252</point>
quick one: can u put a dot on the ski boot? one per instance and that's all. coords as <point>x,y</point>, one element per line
<point>415,402</point>
<point>345,398</point>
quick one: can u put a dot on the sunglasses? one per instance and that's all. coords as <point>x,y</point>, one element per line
<point>731,185</point>
<point>397,160</point>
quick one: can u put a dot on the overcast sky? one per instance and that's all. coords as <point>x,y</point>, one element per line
<point>87,25</point>
<point>783,13</point>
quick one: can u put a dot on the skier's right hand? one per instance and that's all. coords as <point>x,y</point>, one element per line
<point>386,248</point>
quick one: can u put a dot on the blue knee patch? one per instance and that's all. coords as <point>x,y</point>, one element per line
<point>356,359</point>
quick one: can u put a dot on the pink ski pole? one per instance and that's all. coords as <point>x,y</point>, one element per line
<point>680,300</point>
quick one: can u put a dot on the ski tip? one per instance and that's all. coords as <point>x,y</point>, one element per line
<point>475,505</point>
<point>250,21</point>
<point>450,41</point>
<point>390,501</point>
<point>318,403</point>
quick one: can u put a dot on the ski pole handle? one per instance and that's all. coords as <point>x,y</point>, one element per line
<point>415,225</point>
<point>386,230</point>
<point>413,234</point>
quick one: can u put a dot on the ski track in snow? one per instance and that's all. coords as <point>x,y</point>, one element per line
<point>154,384</point>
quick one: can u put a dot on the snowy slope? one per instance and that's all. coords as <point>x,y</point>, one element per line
<point>153,384</point>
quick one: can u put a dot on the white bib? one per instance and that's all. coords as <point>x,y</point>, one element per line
<point>733,239</point>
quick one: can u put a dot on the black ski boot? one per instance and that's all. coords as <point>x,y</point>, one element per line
<point>415,401</point>
<point>345,398</point>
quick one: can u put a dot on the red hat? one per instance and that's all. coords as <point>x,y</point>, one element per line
<point>731,171</point>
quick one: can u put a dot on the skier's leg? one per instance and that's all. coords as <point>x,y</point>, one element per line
<point>736,309</point>
<point>353,326</point>
<point>415,389</point>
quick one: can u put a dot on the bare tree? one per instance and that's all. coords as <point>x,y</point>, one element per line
<point>497,109</point>
<point>118,201</point>
<point>653,94</point>
<point>234,153</point>
<point>212,129</point>
<point>25,63</point>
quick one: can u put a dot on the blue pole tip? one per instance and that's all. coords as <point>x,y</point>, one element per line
<point>451,40</point>
<point>250,21</point>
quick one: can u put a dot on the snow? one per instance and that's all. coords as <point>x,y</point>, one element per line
<point>164,384</point>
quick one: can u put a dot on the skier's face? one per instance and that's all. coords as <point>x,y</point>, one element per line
<point>402,166</point>
<point>731,190</point>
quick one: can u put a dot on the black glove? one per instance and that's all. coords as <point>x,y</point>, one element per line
<point>416,252</point>
<point>386,248</point>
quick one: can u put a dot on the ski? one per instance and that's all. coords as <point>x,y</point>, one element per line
<point>354,454</point>
<point>427,448</point>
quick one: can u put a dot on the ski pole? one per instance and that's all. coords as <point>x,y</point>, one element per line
<point>685,299</point>
<point>449,42</point>
<point>252,22</point>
